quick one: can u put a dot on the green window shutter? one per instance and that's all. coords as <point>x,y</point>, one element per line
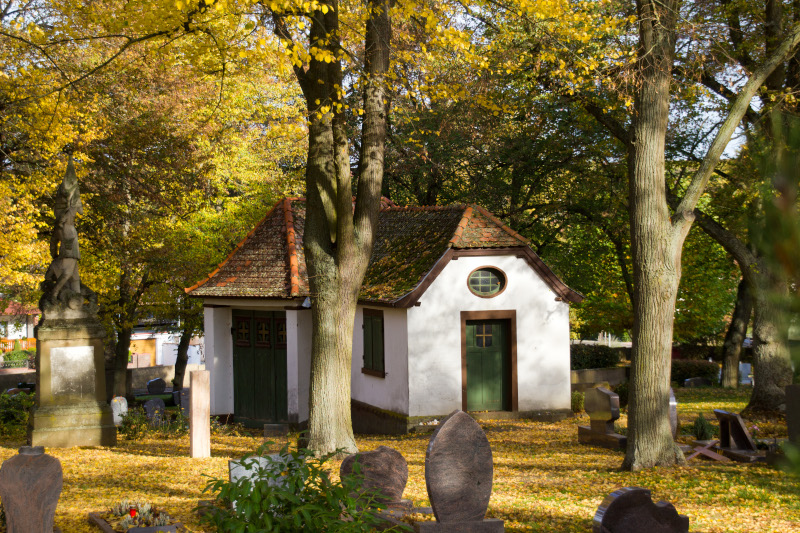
<point>377,343</point>
<point>368,341</point>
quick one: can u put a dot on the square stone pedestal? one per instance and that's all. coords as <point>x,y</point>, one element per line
<point>490,525</point>
<point>71,408</point>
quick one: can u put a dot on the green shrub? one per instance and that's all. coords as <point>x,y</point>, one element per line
<point>622,391</point>
<point>696,352</point>
<point>135,425</point>
<point>18,355</point>
<point>14,412</point>
<point>702,429</point>
<point>583,356</point>
<point>577,401</point>
<point>683,369</point>
<point>294,493</point>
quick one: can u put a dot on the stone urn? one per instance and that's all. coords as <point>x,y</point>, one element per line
<point>30,484</point>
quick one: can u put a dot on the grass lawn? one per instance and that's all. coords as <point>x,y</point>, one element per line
<point>543,480</point>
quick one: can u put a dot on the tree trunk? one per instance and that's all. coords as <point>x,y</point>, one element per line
<point>656,258</point>
<point>121,352</point>
<point>183,356</point>
<point>772,368</point>
<point>737,330</point>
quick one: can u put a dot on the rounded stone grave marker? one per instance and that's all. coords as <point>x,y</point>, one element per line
<point>156,386</point>
<point>30,484</point>
<point>383,469</point>
<point>458,470</point>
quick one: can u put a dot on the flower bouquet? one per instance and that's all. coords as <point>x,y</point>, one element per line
<point>134,517</point>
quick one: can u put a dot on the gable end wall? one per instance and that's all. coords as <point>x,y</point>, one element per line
<point>434,337</point>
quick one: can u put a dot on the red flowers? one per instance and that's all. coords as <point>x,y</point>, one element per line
<point>132,511</point>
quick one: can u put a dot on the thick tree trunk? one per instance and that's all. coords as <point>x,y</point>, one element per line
<point>183,356</point>
<point>121,352</point>
<point>737,330</point>
<point>656,258</point>
<point>772,368</point>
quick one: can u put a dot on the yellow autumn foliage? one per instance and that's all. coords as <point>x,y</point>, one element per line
<point>543,479</point>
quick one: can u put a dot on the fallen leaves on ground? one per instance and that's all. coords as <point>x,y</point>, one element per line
<point>543,479</point>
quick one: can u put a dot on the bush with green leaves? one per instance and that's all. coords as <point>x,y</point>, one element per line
<point>622,391</point>
<point>683,369</point>
<point>702,428</point>
<point>291,493</point>
<point>14,412</point>
<point>577,401</point>
<point>136,425</point>
<point>583,356</point>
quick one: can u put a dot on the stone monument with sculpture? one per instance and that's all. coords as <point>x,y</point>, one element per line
<point>71,407</point>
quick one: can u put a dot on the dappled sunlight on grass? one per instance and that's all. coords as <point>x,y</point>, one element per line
<point>544,481</point>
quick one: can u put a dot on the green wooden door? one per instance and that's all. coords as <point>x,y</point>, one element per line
<point>488,365</point>
<point>259,366</point>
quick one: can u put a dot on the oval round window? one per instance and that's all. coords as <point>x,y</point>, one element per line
<point>486,281</point>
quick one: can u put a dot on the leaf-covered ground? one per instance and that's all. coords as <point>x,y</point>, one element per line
<point>543,481</point>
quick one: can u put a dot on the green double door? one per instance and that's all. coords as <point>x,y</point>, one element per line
<point>488,365</point>
<point>259,367</point>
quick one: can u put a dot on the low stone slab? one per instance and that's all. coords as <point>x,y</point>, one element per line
<point>631,510</point>
<point>490,525</point>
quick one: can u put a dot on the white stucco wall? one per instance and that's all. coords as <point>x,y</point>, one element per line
<point>391,391</point>
<point>219,358</point>
<point>434,333</point>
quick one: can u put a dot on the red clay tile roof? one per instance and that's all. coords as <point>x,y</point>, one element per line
<point>270,262</point>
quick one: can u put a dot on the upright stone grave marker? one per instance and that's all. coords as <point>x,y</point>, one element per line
<point>458,476</point>
<point>156,386</point>
<point>200,414</point>
<point>185,400</point>
<point>631,510</point>
<point>602,405</point>
<point>119,408</point>
<point>30,484</point>
<point>155,411</point>
<point>384,474</point>
<point>673,413</point>
<point>71,407</point>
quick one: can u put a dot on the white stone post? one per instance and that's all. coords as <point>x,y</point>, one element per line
<point>199,414</point>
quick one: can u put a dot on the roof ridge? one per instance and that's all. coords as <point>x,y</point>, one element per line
<point>461,225</point>
<point>236,249</point>
<point>291,248</point>
<point>499,222</point>
<point>452,207</point>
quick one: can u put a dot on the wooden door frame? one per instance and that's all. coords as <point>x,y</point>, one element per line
<point>511,316</point>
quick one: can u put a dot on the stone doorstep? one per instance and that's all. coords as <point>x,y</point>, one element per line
<point>105,527</point>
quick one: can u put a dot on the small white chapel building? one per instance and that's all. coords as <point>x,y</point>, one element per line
<point>456,312</point>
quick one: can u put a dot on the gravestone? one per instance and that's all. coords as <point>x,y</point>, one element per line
<point>154,410</point>
<point>156,386</point>
<point>602,406</point>
<point>119,407</point>
<point>458,476</point>
<point>631,510</point>
<point>30,484</point>
<point>71,408</point>
<point>256,467</point>
<point>793,413</point>
<point>734,439</point>
<point>696,382</point>
<point>673,413</point>
<point>200,414</point>
<point>745,369</point>
<point>384,474</point>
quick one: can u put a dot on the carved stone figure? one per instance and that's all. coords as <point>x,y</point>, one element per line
<point>62,287</point>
